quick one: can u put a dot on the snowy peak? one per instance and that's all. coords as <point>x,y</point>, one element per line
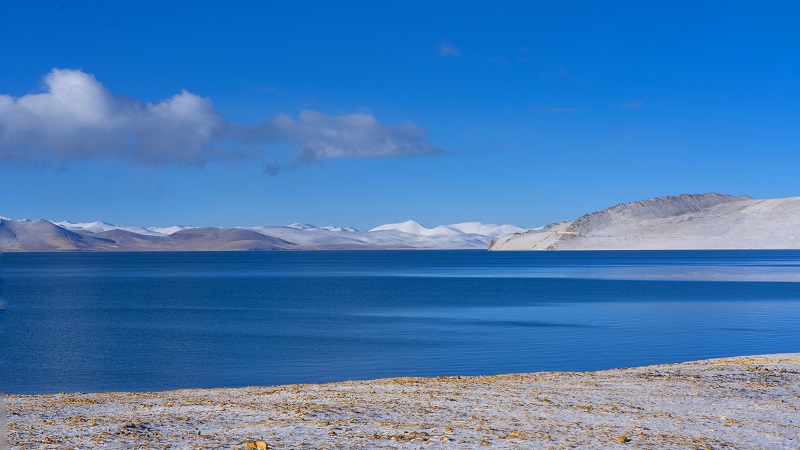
<point>656,208</point>
<point>405,235</point>
<point>166,231</point>
<point>301,226</point>
<point>100,226</point>
<point>682,222</point>
<point>306,226</point>
<point>409,226</point>
<point>340,229</point>
<point>104,236</point>
<point>484,229</point>
<point>92,227</point>
<point>412,227</point>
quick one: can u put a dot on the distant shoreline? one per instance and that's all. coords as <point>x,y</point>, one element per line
<point>44,235</point>
<point>405,249</point>
<point>741,401</point>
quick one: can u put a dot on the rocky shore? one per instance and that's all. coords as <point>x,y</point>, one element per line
<point>744,402</point>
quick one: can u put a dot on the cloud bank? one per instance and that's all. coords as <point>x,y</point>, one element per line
<point>76,118</point>
<point>318,137</point>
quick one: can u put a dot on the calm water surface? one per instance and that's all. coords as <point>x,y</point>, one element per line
<point>154,321</point>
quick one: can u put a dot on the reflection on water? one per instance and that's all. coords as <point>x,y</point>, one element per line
<point>94,322</point>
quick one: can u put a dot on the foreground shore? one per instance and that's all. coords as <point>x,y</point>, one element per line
<point>745,402</point>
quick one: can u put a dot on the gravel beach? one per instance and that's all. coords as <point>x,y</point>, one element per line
<point>743,402</point>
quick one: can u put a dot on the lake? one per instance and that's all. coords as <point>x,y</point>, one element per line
<point>155,321</point>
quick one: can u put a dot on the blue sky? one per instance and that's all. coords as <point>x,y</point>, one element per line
<point>363,113</point>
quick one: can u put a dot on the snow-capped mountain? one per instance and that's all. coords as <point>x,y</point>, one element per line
<point>703,221</point>
<point>346,229</point>
<point>169,230</point>
<point>682,222</point>
<point>408,226</point>
<point>103,236</point>
<point>478,228</point>
<point>100,226</point>
<point>409,234</point>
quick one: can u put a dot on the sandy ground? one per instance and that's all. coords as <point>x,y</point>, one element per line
<point>747,402</point>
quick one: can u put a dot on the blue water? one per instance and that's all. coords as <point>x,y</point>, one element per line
<point>153,321</point>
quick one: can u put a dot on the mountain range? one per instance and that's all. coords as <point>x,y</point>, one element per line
<point>683,222</point>
<point>46,236</point>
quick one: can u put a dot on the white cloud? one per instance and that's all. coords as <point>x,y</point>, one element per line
<point>77,118</point>
<point>318,137</point>
<point>633,104</point>
<point>564,73</point>
<point>447,49</point>
<point>560,109</point>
